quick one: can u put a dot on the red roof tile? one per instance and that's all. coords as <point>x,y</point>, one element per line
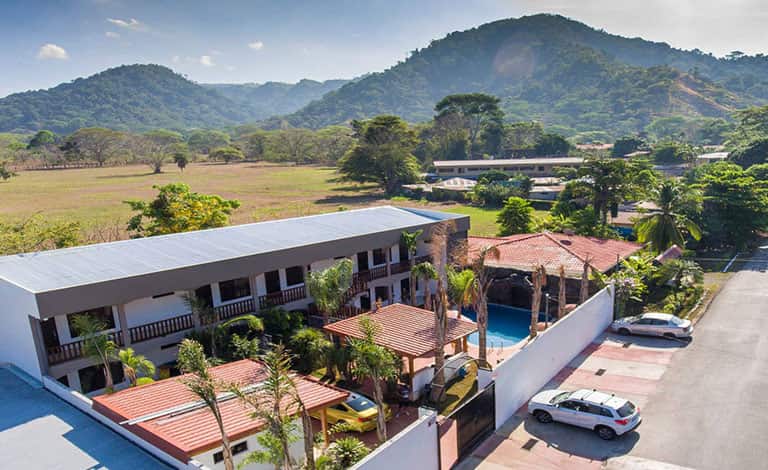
<point>404,329</point>
<point>552,250</point>
<point>186,434</point>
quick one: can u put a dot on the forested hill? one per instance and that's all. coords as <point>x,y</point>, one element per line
<point>131,97</point>
<point>275,98</point>
<point>555,70</point>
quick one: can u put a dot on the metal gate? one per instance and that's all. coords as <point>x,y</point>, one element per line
<point>469,424</point>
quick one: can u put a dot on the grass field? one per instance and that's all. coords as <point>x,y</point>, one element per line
<point>94,197</point>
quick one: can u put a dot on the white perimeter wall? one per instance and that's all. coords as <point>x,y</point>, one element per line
<point>522,375</point>
<point>414,448</point>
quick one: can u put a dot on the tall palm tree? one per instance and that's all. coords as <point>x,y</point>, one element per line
<point>561,298</point>
<point>375,362</point>
<point>327,287</point>
<point>483,281</point>
<point>135,365</point>
<point>669,224</point>
<point>96,344</point>
<point>440,235</point>
<point>584,290</point>
<point>198,379</point>
<point>410,240</point>
<point>426,272</point>
<point>538,278</point>
<point>462,288</point>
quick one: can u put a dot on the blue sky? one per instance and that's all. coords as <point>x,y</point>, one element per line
<point>48,42</point>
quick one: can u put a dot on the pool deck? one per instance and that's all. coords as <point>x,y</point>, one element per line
<point>40,431</point>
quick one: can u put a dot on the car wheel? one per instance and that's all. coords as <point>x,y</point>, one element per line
<point>623,331</point>
<point>543,416</point>
<point>605,433</point>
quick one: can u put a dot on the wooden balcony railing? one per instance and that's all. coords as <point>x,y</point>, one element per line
<point>161,328</point>
<point>401,267</point>
<point>225,312</point>
<point>74,350</point>
<point>283,297</point>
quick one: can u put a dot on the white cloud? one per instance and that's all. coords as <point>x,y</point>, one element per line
<point>52,51</point>
<point>112,35</point>
<point>230,68</point>
<point>256,45</point>
<point>132,23</point>
<point>175,59</point>
<point>206,61</point>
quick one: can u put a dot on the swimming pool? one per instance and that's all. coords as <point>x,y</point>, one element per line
<point>506,325</point>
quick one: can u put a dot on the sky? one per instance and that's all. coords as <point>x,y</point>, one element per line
<point>44,43</point>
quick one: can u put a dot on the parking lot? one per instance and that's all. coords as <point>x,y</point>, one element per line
<point>630,367</point>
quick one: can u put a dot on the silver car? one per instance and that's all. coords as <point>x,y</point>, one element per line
<point>654,324</point>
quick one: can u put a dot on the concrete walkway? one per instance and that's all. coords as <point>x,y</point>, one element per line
<point>40,431</point>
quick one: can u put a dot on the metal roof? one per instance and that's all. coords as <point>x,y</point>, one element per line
<point>70,267</point>
<point>508,162</point>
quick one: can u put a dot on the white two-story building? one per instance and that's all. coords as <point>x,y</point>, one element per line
<point>137,287</point>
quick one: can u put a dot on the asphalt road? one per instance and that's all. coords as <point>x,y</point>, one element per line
<point>711,408</point>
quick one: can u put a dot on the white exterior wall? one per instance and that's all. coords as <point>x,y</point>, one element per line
<point>521,375</point>
<point>17,345</point>
<point>414,448</point>
<point>148,310</point>
<point>206,458</point>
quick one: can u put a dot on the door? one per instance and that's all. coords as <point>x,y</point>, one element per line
<point>405,290</point>
<point>568,412</point>
<point>643,326</point>
<point>382,293</point>
<point>365,303</point>
<point>204,293</point>
<point>362,261</point>
<point>50,335</point>
<point>272,281</point>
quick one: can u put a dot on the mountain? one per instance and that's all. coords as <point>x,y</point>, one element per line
<point>130,97</point>
<point>555,70</point>
<point>275,98</point>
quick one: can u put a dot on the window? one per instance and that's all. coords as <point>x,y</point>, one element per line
<point>403,251</point>
<point>235,289</point>
<point>599,410</point>
<point>569,405</point>
<point>294,276</point>
<point>541,168</point>
<point>238,448</point>
<point>92,377</point>
<point>378,257</point>
<point>103,314</point>
<point>382,292</point>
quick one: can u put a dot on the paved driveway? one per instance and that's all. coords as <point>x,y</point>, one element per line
<point>631,367</point>
<point>40,431</point>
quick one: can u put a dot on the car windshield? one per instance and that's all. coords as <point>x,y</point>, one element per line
<point>360,403</point>
<point>630,319</point>
<point>559,397</point>
<point>676,321</point>
<point>626,409</point>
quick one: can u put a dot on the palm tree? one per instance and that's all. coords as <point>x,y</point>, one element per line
<point>483,281</point>
<point>376,363</point>
<point>96,344</point>
<point>584,290</point>
<point>328,287</point>
<point>310,346</point>
<point>410,240</point>
<point>439,246</point>
<point>669,225</point>
<point>135,365</point>
<point>561,299</point>
<point>205,313</point>
<point>538,278</point>
<point>426,272</point>
<point>462,288</point>
<point>198,379</point>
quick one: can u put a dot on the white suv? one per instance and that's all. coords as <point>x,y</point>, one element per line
<point>608,415</point>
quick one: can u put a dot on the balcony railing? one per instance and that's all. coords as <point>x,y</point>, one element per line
<point>282,297</point>
<point>401,267</point>
<point>374,273</point>
<point>225,312</point>
<point>161,328</point>
<point>74,350</point>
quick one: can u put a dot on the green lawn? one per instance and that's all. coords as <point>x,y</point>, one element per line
<point>482,219</point>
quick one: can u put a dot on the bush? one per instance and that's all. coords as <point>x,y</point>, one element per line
<point>310,348</point>
<point>280,323</point>
<point>515,217</point>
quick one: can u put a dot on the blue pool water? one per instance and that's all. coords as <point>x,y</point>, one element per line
<point>506,325</point>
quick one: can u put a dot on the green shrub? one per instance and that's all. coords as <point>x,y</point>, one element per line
<point>280,323</point>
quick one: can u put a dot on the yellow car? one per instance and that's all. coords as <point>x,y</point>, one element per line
<point>358,413</point>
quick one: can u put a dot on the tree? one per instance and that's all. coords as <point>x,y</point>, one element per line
<point>561,298</point>
<point>515,217</point>
<point>293,145</point>
<point>310,347</point>
<point>462,288</point>
<point>521,136</point>
<point>227,154</point>
<point>97,144</point>
<point>5,173</point>
<point>181,160</point>
<point>156,147</point>
<point>626,145</point>
<point>135,365</point>
<point>538,279</point>
<point>198,380</point>
<point>37,233</point>
<point>177,209</point>
<point>752,123</point>
<point>381,154</point>
<point>478,110</point>
<point>551,144</point>
<point>440,235</point>
<point>274,402</point>
<point>332,143</point>
<point>42,138</point>
<point>96,343</point>
<point>673,153</point>
<point>668,225</point>
<point>753,153</point>
<point>584,287</point>
<point>426,272</point>
<point>254,145</point>
<point>445,138</point>
<point>483,281</point>
<point>328,287</point>
<point>376,363</point>
<point>410,240</point>
<point>204,141</point>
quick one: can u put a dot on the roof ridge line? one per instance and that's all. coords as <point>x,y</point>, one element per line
<point>563,246</point>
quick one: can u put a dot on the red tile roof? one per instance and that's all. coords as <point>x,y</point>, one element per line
<point>404,329</point>
<point>671,253</point>
<point>552,250</point>
<point>189,433</point>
